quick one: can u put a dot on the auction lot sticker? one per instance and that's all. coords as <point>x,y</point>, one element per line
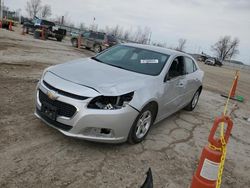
<point>145,61</point>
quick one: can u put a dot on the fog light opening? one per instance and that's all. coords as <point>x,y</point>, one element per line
<point>99,132</point>
<point>105,131</point>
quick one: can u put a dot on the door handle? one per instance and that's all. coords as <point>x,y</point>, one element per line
<point>180,84</point>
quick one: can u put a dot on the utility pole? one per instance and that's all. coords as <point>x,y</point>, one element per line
<point>1,13</point>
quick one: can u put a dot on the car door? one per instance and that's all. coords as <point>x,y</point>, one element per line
<point>174,82</point>
<point>192,82</point>
<point>91,40</point>
<point>85,36</point>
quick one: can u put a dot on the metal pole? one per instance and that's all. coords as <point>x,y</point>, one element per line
<point>1,15</point>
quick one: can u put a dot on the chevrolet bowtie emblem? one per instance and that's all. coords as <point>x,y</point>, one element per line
<point>52,95</point>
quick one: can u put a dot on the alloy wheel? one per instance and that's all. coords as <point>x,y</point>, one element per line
<point>143,124</point>
<point>195,99</point>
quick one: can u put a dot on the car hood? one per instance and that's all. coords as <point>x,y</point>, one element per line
<point>105,79</point>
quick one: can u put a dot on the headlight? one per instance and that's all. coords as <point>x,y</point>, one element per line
<point>110,102</point>
<point>44,72</point>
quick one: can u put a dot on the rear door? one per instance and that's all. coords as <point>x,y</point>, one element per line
<point>100,40</point>
<point>91,40</point>
<point>85,36</point>
<point>191,79</point>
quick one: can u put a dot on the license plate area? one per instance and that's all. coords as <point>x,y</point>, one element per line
<point>49,111</point>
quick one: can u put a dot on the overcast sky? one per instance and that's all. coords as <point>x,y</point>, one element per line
<point>202,23</point>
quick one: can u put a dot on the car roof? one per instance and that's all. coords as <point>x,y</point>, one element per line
<point>156,49</point>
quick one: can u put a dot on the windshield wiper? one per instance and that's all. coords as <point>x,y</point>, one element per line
<point>116,66</point>
<point>94,58</point>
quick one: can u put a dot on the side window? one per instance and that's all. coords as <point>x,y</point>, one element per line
<point>86,35</point>
<point>195,67</point>
<point>177,68</point>
<point>93,35</point>
<point>100,36</point>
<point>190,66</point>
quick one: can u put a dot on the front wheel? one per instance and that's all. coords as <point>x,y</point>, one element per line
<point>141,125</point>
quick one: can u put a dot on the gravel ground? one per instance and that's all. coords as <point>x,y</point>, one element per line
<point>35,155</point>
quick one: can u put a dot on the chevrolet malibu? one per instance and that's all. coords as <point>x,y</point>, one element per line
<point>117,95</point>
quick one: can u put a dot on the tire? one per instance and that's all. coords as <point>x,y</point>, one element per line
<point>142,125</point>
<point>191,106</point>
<point>97,48</point>
<point>59,39</point>
<point>74,42</point>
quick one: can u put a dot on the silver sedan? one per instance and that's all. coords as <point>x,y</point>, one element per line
<point>117,95</point>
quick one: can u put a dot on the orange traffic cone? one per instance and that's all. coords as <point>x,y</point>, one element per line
<point>232,95</point>
<point>208,168</point>
<point>233,90</point>
<point>43,34</point>
<point>79,41</point>
<point>10,26</point>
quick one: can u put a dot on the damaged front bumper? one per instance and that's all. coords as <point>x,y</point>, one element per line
<point>110,126</point>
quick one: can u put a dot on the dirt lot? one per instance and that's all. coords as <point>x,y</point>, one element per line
<point>35,155</point>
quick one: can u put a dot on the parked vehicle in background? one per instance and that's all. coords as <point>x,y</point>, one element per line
<point>213,62</point>
<point>117,95</point>
<point>74,34</point>
<point>97,41</point>
<point>51,29</point>
<point>202,58</point>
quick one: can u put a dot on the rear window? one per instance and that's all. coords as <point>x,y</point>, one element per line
<point>111,38</point>
<point>45,22</point>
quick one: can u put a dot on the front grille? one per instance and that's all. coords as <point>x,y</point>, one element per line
<point>64,92</point>
<point>63,109</point>
<point>54,123</point>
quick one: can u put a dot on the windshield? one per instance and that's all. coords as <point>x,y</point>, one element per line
<point>134,59</point>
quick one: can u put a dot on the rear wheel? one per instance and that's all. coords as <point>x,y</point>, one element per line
<point>59,39</point>
<point>97,48</point>
<point>191,106</point>
<point>141,125</point>
<point>74,42</point>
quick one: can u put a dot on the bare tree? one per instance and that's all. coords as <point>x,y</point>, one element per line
<point>46,11</point>
<point>126,35</point>
<point>226,48</point>
<point>33,7</point>
<point>142,35</point>
<point>116,31</point>
<point>181,45</point>
<point>160,44</point>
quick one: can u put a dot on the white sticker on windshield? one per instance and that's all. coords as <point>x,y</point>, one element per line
<point>149,61</point>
